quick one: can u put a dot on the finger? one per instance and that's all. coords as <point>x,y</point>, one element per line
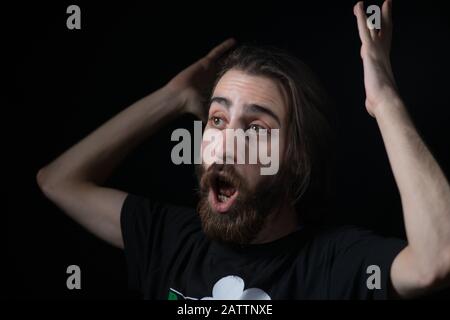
<point>361,18</point>
<point>373,33</point>
<point>386,16</point>
<point>202,110</point>
<point>219,50</point>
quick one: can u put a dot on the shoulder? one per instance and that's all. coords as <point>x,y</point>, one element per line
<point>338,240</point>
<point>153,219</point>
<point>144,206</point>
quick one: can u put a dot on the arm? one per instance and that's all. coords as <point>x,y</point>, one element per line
<point>424,190</point>
<point>73,180</point>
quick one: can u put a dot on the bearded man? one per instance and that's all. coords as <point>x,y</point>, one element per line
<point>249,237</point>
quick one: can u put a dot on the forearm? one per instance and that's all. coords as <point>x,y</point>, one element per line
<point>424,190</point>
<point>93,158</point>
<point>73,181</point>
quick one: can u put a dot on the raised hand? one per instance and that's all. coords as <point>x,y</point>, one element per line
<point>193,82</point>
<point>375,51</point>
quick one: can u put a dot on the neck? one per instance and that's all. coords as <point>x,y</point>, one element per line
<point>280,223</point>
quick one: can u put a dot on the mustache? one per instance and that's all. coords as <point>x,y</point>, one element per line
<point>224,173</point>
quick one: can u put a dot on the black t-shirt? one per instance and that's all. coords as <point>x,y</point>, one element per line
<point>169,257</point>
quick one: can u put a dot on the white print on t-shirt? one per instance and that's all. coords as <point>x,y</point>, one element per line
<point>231,288</point>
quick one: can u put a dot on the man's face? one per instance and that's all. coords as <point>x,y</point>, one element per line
<point>235,198</point>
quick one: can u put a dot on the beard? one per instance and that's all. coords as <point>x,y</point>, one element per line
<point>250,210</point>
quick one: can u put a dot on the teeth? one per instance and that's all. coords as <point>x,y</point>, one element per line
<point>222,198</point>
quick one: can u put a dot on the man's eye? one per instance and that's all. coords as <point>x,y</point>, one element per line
<point>216,121</point>
<point>255,128</point>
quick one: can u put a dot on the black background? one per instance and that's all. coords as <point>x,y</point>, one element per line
<point>68,82</point>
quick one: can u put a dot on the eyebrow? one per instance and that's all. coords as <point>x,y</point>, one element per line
<point>249,108</point>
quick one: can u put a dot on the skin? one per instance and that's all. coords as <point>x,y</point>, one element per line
<point>236,91</point>
<point>74,180</point>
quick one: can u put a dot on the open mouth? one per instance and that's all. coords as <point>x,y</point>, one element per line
<point>223,194</point>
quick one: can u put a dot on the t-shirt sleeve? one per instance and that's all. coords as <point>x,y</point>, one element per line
<point>361,264</point>
<point>152,234</point>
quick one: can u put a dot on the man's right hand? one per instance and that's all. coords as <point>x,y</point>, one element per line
<point>194,82</point>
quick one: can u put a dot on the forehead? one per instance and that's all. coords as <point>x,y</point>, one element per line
<point>241,88</point>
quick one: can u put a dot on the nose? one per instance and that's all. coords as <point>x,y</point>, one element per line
<point>225,149</point>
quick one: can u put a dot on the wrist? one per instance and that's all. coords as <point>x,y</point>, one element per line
<point>388,101</point>
<point>177,97</point>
